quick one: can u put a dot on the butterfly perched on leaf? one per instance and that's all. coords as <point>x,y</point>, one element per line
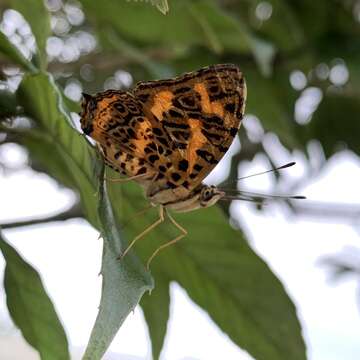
<point>167,135</point>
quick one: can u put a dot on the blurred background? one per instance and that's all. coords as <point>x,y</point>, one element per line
<point>301,62</point>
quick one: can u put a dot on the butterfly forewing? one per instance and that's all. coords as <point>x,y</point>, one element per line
<point>194,118</point>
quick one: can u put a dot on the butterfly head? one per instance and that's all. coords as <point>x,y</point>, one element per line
<point>203,196</point>
<point>89,106</point>
<point>209,195</point>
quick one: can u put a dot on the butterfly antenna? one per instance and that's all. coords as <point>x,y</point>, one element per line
<point>263,172</point>
<point>268,171</point>
<point>234,194</point>
<point>258,200</point>
<point>240,194</point>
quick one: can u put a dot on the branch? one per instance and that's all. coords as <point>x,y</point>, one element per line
<point>74,212</point>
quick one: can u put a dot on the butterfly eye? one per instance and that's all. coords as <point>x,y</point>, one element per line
<point>206,195</point>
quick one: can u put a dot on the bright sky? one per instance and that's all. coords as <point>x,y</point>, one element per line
<point>68,258</point>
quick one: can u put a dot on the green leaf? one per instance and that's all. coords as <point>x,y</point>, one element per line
<point>226,33</point>
<point>8,104</point>
<point>124,283</point>
<point>42,153</point>
<point>271,104</point>
<point>333,134</point>
<point>38,17</point>
<point>282,27</point>
<point>31,308</point>
<point>162,5</point>
<point>42,101</point>
<point>221,273</point>
<point>14,54</point>
<point>156,69</point>
<point>156,307</point>
<point>320,10</point>
<point>189,23</point>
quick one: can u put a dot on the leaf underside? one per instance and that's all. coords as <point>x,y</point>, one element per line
<point>30,307</point>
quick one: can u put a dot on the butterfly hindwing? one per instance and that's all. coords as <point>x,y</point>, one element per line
<point>123,133</point>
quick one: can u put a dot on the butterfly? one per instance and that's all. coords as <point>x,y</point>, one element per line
<point>167,135</point>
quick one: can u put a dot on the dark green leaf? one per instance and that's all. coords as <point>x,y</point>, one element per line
<point>333,133</point>
<point>42,101</point>
<point>8,105</point>
<point>222,274</point>
<point>14,54</point>
<point>282,27</point>
<point>156,69</point>
<point>272,105</point>
<point>162,5</point>
<point>189,23</point>
<point>36,14</point>
<point>31,308</point>
<point>225,32</point>
<point>320,9</point>
<point>274,20</point>
<point>156,311</point>
<point>124,283</point>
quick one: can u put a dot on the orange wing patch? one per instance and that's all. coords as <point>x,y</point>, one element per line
<point>205,100</point>
<point>162,103</point>
<point>208,107</point>
<point>197,141</point>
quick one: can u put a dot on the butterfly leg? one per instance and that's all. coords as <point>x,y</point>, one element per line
<point>137,214</point>
<point>172,242</point>
<point>148,229</point>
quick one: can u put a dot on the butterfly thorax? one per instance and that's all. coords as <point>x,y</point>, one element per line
<point>181,201</point>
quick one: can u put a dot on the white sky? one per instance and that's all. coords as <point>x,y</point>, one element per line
<point>328,311</point>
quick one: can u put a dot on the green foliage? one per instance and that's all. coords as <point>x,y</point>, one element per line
<point>130,278</point>
<point>156,308</point>
<point>181,27</point>
<point>220,273</point>
<point>12,52</point>
<point>214,263</point>
<point>7,104</point>
<point>56,134</point>
<point>42,101</point>
<point>342,130</point>
<point>30,307</point>
<point>162,5</point>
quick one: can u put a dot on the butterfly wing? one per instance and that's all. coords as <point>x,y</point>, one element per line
<point>194,119</point>
<point>122,131</point>
<point>172,131</point>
